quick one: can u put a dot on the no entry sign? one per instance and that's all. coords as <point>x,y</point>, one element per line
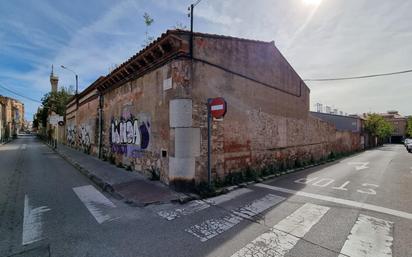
<point>217,107</point>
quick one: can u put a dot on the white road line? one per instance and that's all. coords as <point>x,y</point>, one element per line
<point>213,227</point>
<point>196,206</point>
<point>369,237</point>
<point>359,165</point>
<point>284,235</point>
<point>95,202</point>
<point>32,222</point>
<point>192,207</point>
<point>360,205</point>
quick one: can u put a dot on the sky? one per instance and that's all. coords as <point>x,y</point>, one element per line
<point>319,38</point>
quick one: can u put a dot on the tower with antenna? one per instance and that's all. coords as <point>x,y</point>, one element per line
<point>54,80</point>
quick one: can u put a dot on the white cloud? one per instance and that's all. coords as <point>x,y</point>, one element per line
<point>337,38</point>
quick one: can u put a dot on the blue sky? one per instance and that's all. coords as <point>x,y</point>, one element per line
<point>333,38</point>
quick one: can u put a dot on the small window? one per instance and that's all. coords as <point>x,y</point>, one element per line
<point>164,153</point>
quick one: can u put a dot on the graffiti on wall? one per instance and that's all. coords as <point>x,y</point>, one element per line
<point>130,136</point>
<point>84,138</point>
<point>79,137</point>
<point>71,135</point>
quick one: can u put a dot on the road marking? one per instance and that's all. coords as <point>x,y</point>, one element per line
<point>284,235</point>
<point>95,202</point>
<point>305,180</point>
<point>351,203</point>
<point>192,207</point>
<point>359,165</point>
<point>369,191</point>
<point>198,205</point>
<point>320,184</point>
<point>369,237</point>
<point>342,187</point>
<point>213,227</point>
<point>32,222</point>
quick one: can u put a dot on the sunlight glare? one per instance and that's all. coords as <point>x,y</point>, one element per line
<point>312,2</point>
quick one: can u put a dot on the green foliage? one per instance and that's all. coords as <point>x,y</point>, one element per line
<point>148,20</point>
<point>409,127</point>
<point>378,126</point>
<point>154,173</point>
<point>52,102</point>
<point>250,174</point>
<point>204,190</point>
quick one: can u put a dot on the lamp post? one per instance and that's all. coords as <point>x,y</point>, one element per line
<point>77,77</point>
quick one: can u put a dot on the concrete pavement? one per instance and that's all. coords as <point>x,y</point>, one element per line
<point>132,187</point>
<point>48,209</point>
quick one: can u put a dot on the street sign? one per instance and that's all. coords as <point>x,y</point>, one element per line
<point>54,119</point>
<point>217,107</point>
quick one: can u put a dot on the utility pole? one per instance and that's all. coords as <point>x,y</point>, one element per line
<point>191,9</point>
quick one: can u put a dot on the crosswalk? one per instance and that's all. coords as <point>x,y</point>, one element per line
<point>369,236</point>
<point>94,201</point>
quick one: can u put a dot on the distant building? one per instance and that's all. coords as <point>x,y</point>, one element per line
<point>11,117</point>
<point>342,123</point>
<point>399,123</point>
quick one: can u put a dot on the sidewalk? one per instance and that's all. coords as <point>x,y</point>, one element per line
<point>132,187</point>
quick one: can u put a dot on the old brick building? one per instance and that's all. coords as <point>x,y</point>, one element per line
<point>150,113</point>
<point>11,117</point>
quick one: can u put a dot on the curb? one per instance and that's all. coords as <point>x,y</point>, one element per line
<point>6,142</point>
<point>107,187</point>
<point>225,190</point>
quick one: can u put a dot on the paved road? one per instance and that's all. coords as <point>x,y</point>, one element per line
<point>359,206</point>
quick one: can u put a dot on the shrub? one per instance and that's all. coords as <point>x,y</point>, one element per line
<point>250,174</point>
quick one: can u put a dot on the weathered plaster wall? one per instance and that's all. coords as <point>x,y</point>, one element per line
<point>262,125</point>
<point>137,131</point>
<point>81,128</point>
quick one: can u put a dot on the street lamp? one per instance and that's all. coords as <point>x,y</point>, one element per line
<point>77,77</point>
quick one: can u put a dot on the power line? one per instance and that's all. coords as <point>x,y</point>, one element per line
<point>361,77</point>
<point>13,92</point>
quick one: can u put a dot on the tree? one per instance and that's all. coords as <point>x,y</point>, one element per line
<point>53,102</point>
<point>409,127</point>
<point>148,22</point>
<point>376,125</point>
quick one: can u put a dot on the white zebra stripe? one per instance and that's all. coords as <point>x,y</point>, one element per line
<point>95,202</point>
<point>369,237</point>
<point>213,227</point>
<point>284,235</point>
<point>196,206</point>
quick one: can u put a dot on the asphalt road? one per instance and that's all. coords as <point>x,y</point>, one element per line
<point>358,206</point>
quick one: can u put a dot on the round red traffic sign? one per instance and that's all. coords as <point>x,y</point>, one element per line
<point>217,107</point>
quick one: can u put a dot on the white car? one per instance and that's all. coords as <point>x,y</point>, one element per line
<point>409,146</point>
<point>407,141</point>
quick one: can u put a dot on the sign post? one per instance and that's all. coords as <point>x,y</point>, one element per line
<point>216,108</point>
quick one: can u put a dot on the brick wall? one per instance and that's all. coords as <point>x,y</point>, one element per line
<point>267,118</point>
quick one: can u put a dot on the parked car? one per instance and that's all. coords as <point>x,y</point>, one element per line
<point>409,146</point>
<point>407,141</point>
